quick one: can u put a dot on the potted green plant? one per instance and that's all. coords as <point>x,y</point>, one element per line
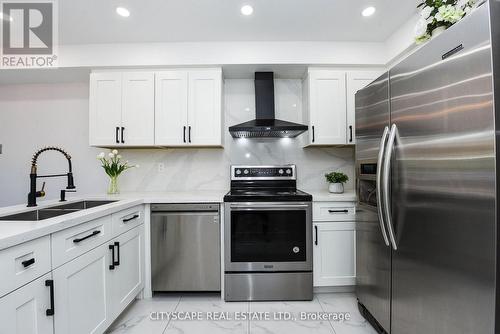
<point>336,181</point>
<point>113,166</point>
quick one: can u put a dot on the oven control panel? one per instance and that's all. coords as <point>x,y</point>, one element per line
<point>263,172</point>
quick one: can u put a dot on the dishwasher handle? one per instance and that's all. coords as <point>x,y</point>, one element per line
<point>185,213</point>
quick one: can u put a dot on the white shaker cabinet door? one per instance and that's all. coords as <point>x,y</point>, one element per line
<point>204,108</point>
<point>327,107</point>
<point>334,258</point>
<point>127,279</point>
<point>82,293</point>
<point>138,109</point>
<point>105,108</point>
<point>171,106</point>
<point>356,80</point>
<point>24,311</point>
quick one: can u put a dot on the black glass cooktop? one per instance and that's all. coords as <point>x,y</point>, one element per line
<point>267,195</point>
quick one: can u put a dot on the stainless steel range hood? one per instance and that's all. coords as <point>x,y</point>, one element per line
<point>265,125</point>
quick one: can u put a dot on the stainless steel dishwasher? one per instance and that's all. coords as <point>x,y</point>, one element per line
<point>185,247</point>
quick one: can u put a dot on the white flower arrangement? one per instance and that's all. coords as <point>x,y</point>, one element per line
<point>441,13</point>
<point>113,166</point>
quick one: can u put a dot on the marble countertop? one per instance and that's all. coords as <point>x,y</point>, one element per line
<point>325,196</point>
<point>16,232</point>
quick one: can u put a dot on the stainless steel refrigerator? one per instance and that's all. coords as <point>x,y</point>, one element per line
<point>426,160</point>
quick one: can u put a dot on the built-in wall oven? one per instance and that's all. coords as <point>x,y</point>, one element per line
<point>268,236</point>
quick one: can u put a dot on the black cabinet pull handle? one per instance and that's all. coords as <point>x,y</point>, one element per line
<point>28,263</point>
<point>112,265</point>
<point>313,133</point>
<point>50,311</point>
<point>93,234</point>
<point>350,135</point>
<point>116,135</point>
<point>338,211</point>
<point>131,218</point>
<point>315,235</point>
<point>117,262</point>
<point>123,139</point>
<point>189,133</point>
<point>184,135</point>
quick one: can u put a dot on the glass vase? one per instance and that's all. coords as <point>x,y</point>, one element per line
<point>113,185</point>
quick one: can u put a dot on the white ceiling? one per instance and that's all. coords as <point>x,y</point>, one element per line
<point>95,21</point>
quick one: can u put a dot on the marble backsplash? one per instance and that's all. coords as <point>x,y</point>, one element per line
<point>208,168</point>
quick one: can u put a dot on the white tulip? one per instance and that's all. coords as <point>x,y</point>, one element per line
<point>115,152</point>
<point>421,28</point>
<point>426,12</point>
<point>100,155</point>
<point>111,155</point>
<point>119,156</point>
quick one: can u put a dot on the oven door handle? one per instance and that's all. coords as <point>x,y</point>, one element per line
<point>268,207</point>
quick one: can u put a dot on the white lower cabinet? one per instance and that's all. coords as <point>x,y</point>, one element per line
<point>99,272</point>
<point>24,311</point>
<point>93,289</point>
<point>83,293</point>
<point>128,276</point>
<point>334,257</point>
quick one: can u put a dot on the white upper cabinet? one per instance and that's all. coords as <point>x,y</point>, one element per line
<point>326,107</point>
<point>122,109</point>
<point>164,108</point>
<point>189,108</point>
<point>171,108</point>
<point>204,108</point>
<point>356,80</point>
<point>105,108</point>
<point>329,104</point>
<point>138,116</point>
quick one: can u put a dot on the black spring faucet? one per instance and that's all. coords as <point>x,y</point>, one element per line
<point>33,175</point>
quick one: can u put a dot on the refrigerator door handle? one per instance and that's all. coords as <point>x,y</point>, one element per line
<point>385,184</point>
<point>379,184</point>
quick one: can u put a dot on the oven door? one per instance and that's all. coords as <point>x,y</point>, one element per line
<point>268,237</point>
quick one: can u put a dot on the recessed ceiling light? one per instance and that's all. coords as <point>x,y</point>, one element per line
<point>122,11</point>
<point>368,11</point>
<point>247,10</point>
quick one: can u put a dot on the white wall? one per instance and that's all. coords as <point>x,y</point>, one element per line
<point>32,116</point>
<point>402,41</point>
<point>217,53</point>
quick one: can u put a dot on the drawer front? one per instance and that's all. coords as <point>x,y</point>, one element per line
<point>73,242</point>
<point>23,263</point>
<point>334,211</point>
<point>127,219</point>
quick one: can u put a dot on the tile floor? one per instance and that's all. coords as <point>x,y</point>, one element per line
<point>136,319</point>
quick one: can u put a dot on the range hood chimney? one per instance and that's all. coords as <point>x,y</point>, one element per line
<point>265,125</point>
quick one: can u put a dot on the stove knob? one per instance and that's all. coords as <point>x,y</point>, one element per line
<point>281,171</point>
<point>289,171</point>
<point>238,171</point>
<point>245,171</point>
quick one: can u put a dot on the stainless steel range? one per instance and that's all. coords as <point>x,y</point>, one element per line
<point>268,235</point>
